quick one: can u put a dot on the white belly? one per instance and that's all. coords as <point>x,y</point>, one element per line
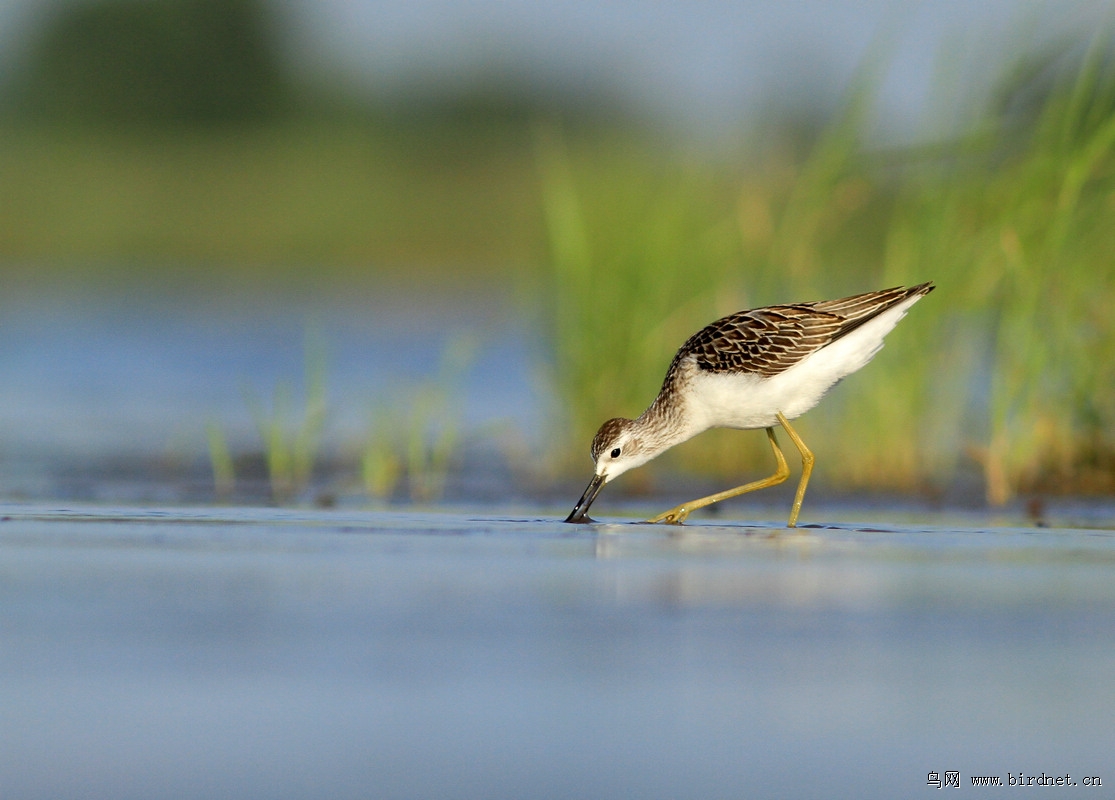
<point>745,400</point>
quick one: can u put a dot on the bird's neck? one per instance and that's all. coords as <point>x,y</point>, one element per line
<point>666,422</point>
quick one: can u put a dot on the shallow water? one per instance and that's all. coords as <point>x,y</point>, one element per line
<point>249,653</point>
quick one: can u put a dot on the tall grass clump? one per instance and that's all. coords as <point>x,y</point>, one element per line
<point>639,247</point>
<point>1042,263</point>
<point>646,249</point>
<point>1010,366</point>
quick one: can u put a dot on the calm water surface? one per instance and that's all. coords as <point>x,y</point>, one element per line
<point>296,654</point>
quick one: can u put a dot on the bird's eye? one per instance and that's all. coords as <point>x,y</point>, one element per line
<point>615,453</point>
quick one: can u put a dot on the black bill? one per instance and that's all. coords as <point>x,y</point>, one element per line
<point>580,511</point>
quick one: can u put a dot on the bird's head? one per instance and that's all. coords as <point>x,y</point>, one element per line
<point>616,448</point>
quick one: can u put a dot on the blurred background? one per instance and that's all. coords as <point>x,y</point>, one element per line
<point>380,252</point>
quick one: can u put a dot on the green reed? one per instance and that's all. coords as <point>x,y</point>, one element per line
<point>291,437</point>
<point>221,462</point>
<point>636,255</point>
<point>1049,249</point>
<point>416,435</point>
<point>1010,364</point>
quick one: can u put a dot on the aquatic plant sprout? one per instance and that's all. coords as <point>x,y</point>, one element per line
<point>290,447</point>
<point>416,434</point>
<point>220,459</point>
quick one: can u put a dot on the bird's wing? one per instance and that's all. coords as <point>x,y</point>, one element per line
<point>864,306</point>
<point>765,341</point>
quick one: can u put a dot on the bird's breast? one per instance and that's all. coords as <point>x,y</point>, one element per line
<point>731,400</point>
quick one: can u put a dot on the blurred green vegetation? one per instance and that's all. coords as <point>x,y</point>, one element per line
<point>141,136</point>
<point>300,199</point>
<point>291,440</point>
<point>1010,365</point>
<point>193,152</point>
<point>417,436</point>
<point>154,62</point>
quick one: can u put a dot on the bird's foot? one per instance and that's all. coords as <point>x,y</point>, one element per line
<point>675,516</point>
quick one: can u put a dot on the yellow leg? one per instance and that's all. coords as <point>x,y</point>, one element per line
<point>806,469</point>
<point>676,516</point>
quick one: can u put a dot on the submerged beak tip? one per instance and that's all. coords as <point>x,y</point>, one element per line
<point>579,514</point>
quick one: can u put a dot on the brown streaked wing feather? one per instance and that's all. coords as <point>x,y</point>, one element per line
<point>871,303</point>
<point>765,341</point>
<point>859,308</point>
<point>861,304</point>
